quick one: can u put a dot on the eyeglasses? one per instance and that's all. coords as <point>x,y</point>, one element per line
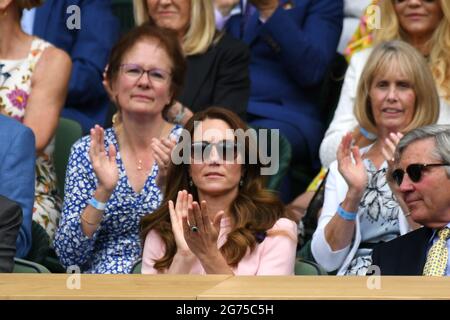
<point>414,171</point>
<point>135,71</point>
<point>227,150</point>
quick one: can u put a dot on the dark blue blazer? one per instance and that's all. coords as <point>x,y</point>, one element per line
<point>89,47</point>
<point>290,55</point>
<point>17,174</point>
<point>405,255</point>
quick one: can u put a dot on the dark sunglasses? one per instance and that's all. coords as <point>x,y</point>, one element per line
<point>227,150</point>
<point>414,171</point>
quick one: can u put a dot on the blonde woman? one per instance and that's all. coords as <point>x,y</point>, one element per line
<point>396,94</point>
<point>217,64</point>
<point>423,24</point>
<point>34,77</point>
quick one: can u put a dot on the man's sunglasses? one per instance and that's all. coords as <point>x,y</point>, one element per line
<point>414,171</point>
<point>227,150</point>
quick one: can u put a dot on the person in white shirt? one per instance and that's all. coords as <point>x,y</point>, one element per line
<point>396,93</point>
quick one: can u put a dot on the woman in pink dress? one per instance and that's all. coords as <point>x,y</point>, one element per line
<point>216,217</point>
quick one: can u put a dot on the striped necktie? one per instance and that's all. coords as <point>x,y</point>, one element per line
<point>437,255</point>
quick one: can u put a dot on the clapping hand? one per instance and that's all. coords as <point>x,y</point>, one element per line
<point>352,170</point>
<point>162,150</point>
<point>200,232</point>
<point>391,144</point>
<point>103,163</point>
<point>178,213</point>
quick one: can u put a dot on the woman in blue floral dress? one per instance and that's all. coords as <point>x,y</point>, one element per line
<point>113,175</point>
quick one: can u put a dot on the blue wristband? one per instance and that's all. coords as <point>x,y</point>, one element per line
<point>349,216</point>
<point>97,204</point>
<point>367,134</point>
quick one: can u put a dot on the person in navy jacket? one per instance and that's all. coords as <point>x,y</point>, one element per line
<point>87,101</point>
<point>292,44</point>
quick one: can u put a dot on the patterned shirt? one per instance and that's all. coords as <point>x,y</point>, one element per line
<point>115,246</point>
<point>378,213</point>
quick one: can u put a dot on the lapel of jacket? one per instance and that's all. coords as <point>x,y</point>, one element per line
<point>413,257</point>
<point>42,18</point>
<point>200,66</point>
<point>251,29</point>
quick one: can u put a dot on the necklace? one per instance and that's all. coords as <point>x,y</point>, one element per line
<point>139,165</point>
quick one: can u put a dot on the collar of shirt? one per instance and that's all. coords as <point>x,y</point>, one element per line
<point>27,21</point>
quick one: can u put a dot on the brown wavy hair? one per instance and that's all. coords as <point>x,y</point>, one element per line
<point>253,212</point>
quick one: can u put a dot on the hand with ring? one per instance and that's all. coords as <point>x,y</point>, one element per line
<point>200,232</point>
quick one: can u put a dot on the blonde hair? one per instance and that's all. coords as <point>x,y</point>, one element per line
<point>439,43</point>
<point>413,66</point>
<point>202,28</point>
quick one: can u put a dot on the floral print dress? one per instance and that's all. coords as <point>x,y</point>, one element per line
<point>116,245</point>
<point>378,213</point>
<point>15,87</point>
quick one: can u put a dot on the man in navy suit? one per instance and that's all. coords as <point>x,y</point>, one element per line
<point>89,46</point>
<point>17,176</point>
<point>292,44</point>
<point>422,176</point>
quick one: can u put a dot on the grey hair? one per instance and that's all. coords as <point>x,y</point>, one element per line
<point>441,136</point>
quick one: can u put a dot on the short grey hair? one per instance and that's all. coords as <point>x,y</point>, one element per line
<point>441,136</point>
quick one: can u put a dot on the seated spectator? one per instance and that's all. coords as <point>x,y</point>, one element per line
<point>395,24</point>
<point>10,221</point>
<point>292,44</point>
<point>216,218</point>
<point>113,175</point>
<point>396,93</point>
<point>217,64</point>
<point>88,45</point>
<point>17,178</point>
<point>423,154</point>
<point>34,77</point>
<point>429,34</point>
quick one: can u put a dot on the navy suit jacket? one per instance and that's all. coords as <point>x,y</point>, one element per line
<point>290,55</point>
<point>405,255</point>
<point>17,174</point>
<point>89,47</point>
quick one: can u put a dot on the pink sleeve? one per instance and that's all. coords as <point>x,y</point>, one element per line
<point>280,246</point>
<point>154,249</point>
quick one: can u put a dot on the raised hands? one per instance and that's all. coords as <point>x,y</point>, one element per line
<point>193,230</point>
<point>200,232</point>
<point>103,163</point>
<point>352,170</point>
<point>177,214</point>
<point>162,150</point>
<point>389,149</point>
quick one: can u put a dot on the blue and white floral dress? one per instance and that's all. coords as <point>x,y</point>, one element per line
<point>115,246</point>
